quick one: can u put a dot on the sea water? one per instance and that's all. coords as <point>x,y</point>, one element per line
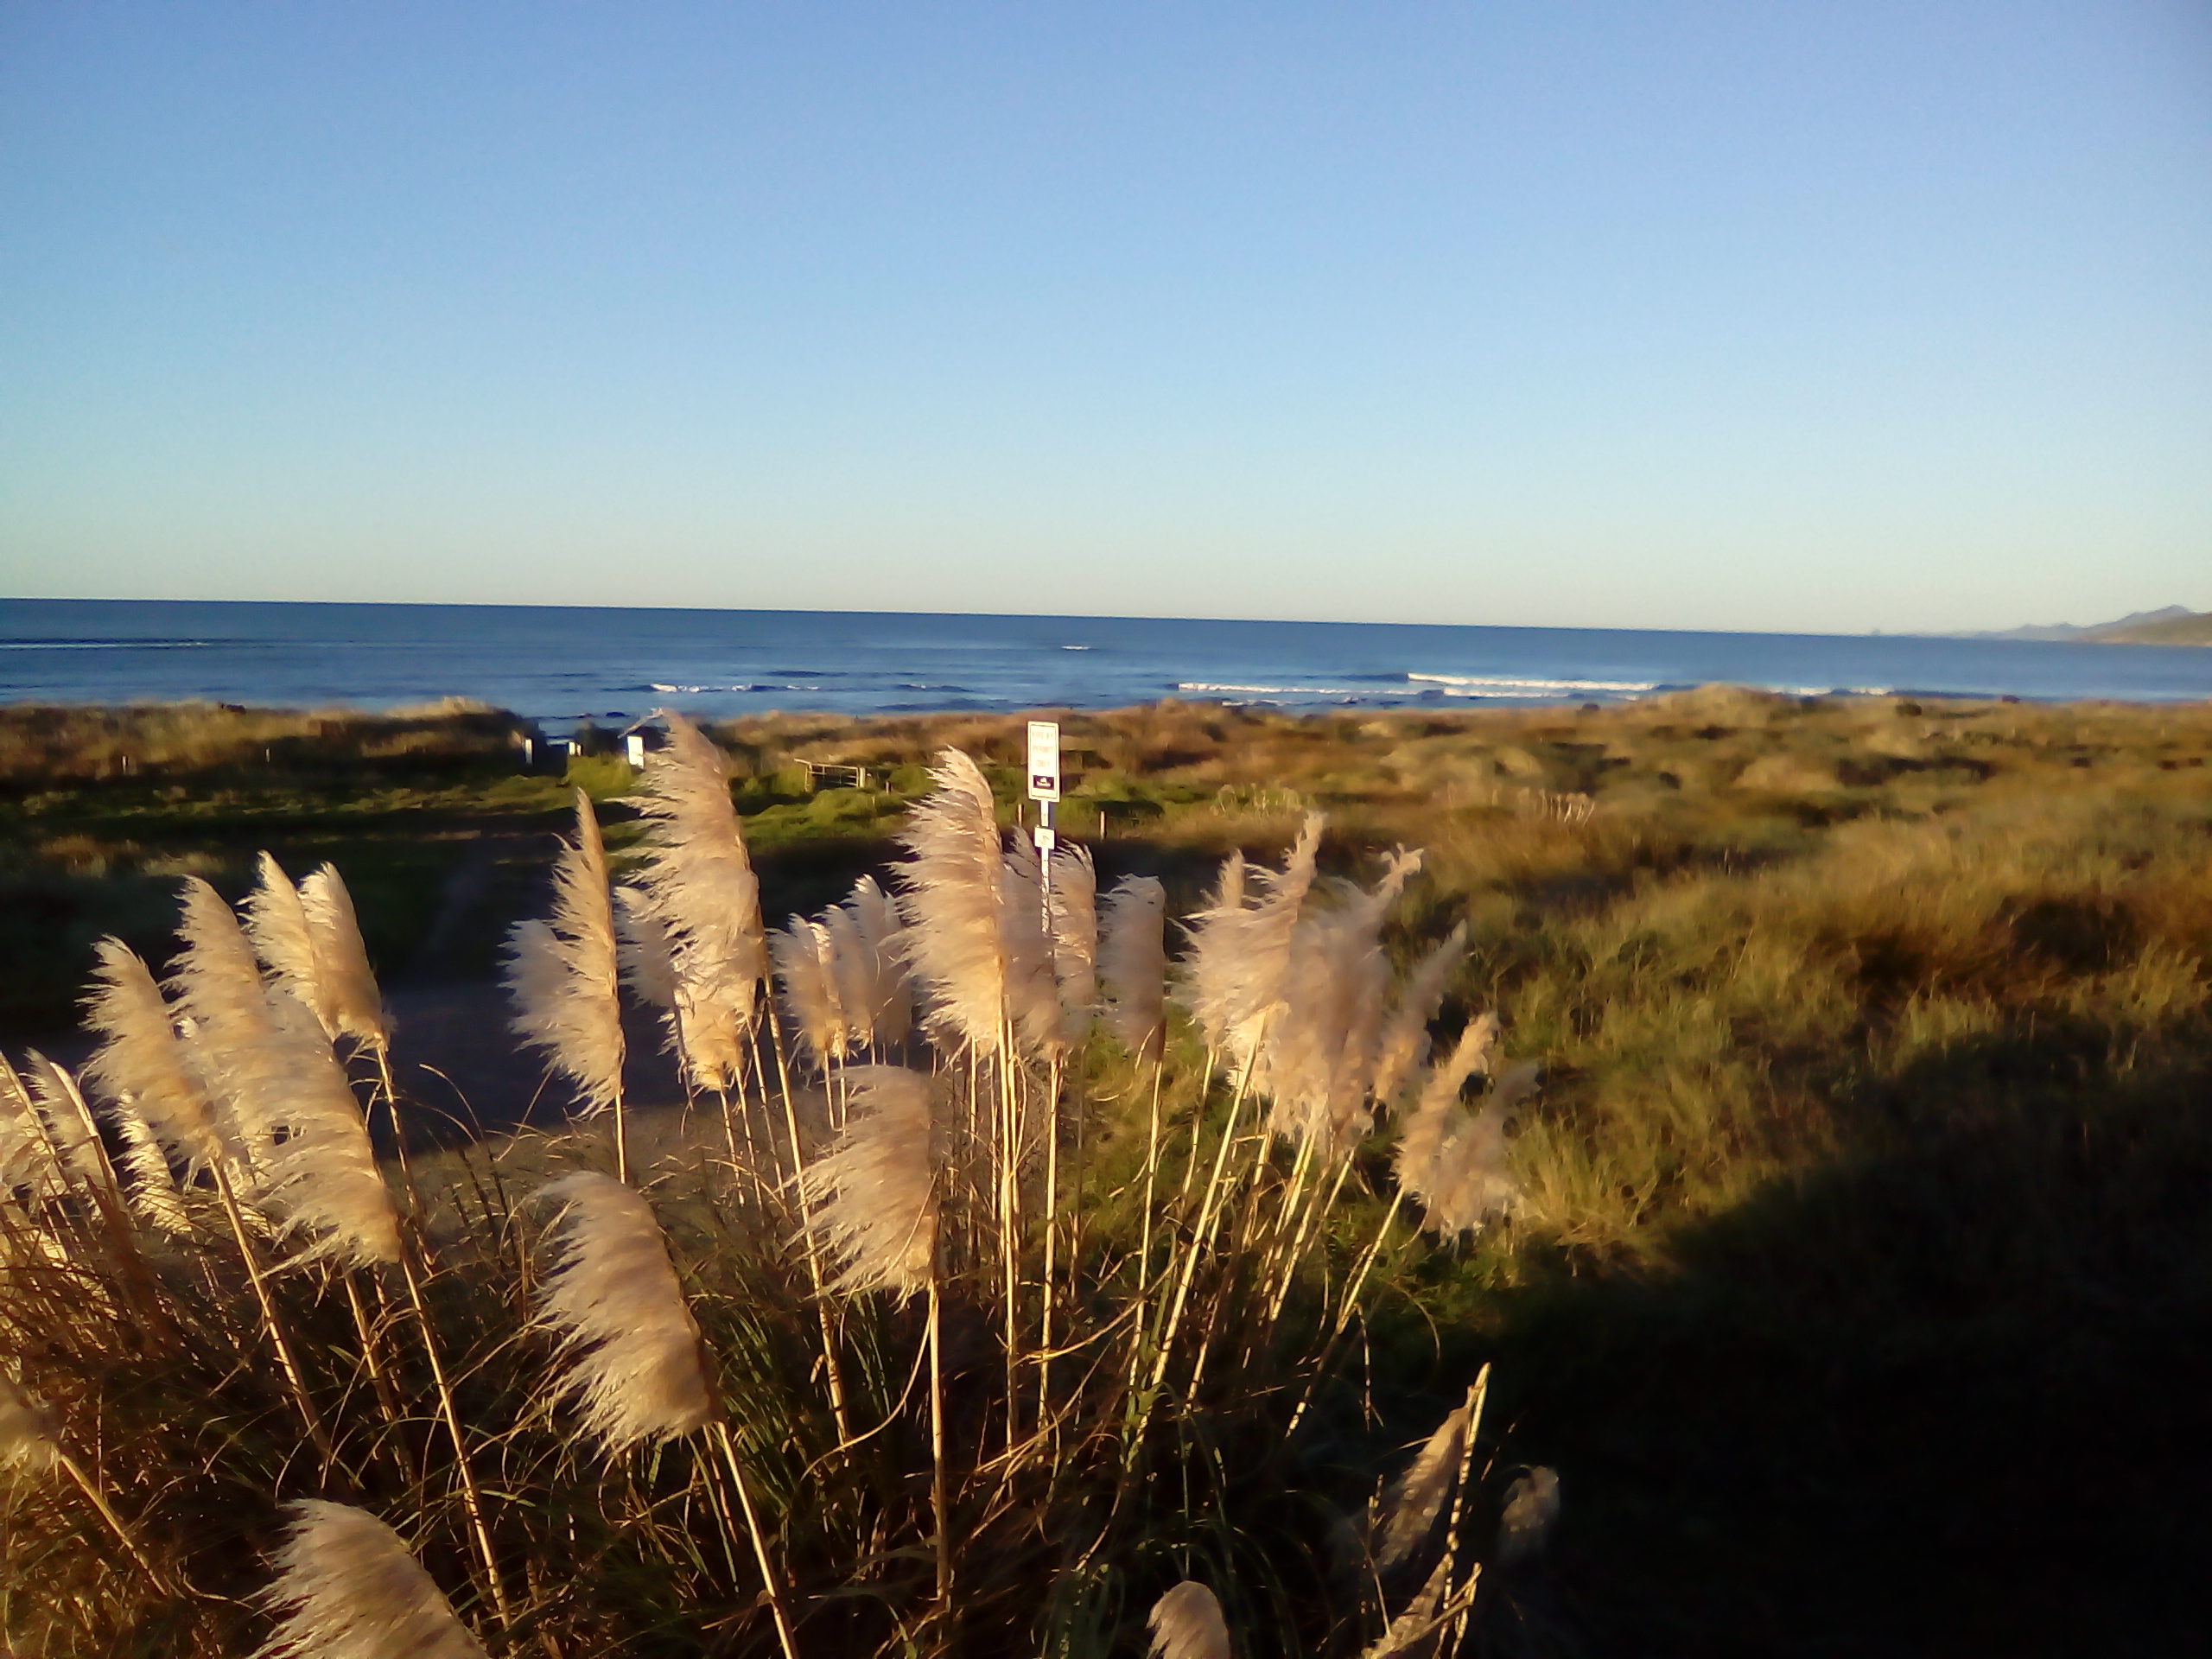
<point>560,664</point>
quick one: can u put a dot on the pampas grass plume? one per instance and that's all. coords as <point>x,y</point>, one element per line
<point>1416,1498</point>
<point>27,1431</point>
<point>322,1178</point>
<point>562,973</point>
<point>1531,1506</point>
<point>802,950</point>
<point>707,897</point>
<point>951,898</point>
<point>347,1588</point>
<point>68,1121</point>
<point>139,1058</point>
<point>1404,1043</point>
<point>872,1199</point>
<point>27,1157</point>
<point>1186,1623</point>
<point>276,922</point>
<point>643,950</point>
<point>875,918</point>
<point>349,985</point>
<point>632,1363</point>
<point>1075,938</point>
<point>1133,964</point>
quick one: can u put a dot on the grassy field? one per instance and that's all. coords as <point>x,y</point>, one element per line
<point>1861,1290</point>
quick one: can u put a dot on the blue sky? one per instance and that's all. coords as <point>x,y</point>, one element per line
<point>1802,315</point>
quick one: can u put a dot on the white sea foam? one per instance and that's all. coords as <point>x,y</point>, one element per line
<point>1298,690</point>
<point>1486,685</point>
<point>104,645</point>
<point>754,685</point>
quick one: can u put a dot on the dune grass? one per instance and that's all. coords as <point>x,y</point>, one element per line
<point>1859,1288</point>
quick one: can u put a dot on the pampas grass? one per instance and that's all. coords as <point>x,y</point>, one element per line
<point>877,995</point>
<point>1083,1393</point>
<point>872,1200</point>
<point>562,975</point>
<point>347,1588</point>
<point>1033,997</point>
<point>1416,1499</point>
<point>28,1438</point>
<point>277,922</point>
<point>1075,938</point>
<point>805,970</point>
<point>1404,1044</point>
<point>1186,1623</point>
<point>1133,964</point>
<point>952,896</point>
<point>1240,953</point>
<point>140,1061</point>
<point>702,886</point>
<point>354,1004</point>
<point>322,1179</point>
<point>69,1126</point>
<point>632,1362</point>
<point>27,1153</point>
<point>1532,1507</point>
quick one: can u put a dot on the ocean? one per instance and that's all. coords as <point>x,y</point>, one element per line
<point>559,665</point>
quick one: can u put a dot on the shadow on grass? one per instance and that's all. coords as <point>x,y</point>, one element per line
<point>1952,1397</point>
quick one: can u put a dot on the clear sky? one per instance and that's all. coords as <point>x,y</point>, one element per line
<point>1800,315</point>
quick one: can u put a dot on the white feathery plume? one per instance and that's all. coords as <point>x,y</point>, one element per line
<point>218,991</point>
<point>702,882</point>
<point>152,1192</point>
<point>1416,1498</point>
<point>872,1199</point>
<point>1317,1059</point>
<point>643,950</point>
<point>562,973</point>
<point>1404,1044</point>
<point>1415,1630</point>
<point>875,918</point>
<point>1033,997</point>
<point>1241,953</point>
<point>1074,939</point>
<point>1210,969</point>
<point>801,950</point>
<point>1186,1623</point>
<point>1531,1506</point>
<point>276,922</point>
<point>1229,893</point>
<point>27,1157</point>
<point>69,1124</point>
<point>355,1005</point>
<point>322,1178</point>
<point>347,1588</point>
<point>631,1350</point>
<point>140,1059</point>
<point>1429,1124</point>
<point>27,1440</point>
<point>1133,963</point>
<point>1469,1181</point>
<point>951,896</point>
<point>855,973</point>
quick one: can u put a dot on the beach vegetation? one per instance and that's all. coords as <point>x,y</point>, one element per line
<point>1797,1145</point>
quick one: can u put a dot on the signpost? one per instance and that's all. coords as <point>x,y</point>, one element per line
<point>1044,783</point>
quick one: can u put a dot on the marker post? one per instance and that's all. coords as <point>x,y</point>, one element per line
<point>1045,790</point>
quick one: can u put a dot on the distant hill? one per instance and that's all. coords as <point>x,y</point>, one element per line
<point>2170,624</point>
<point>2175,627</point>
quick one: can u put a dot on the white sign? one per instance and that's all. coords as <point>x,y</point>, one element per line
<point>1043,760</point>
